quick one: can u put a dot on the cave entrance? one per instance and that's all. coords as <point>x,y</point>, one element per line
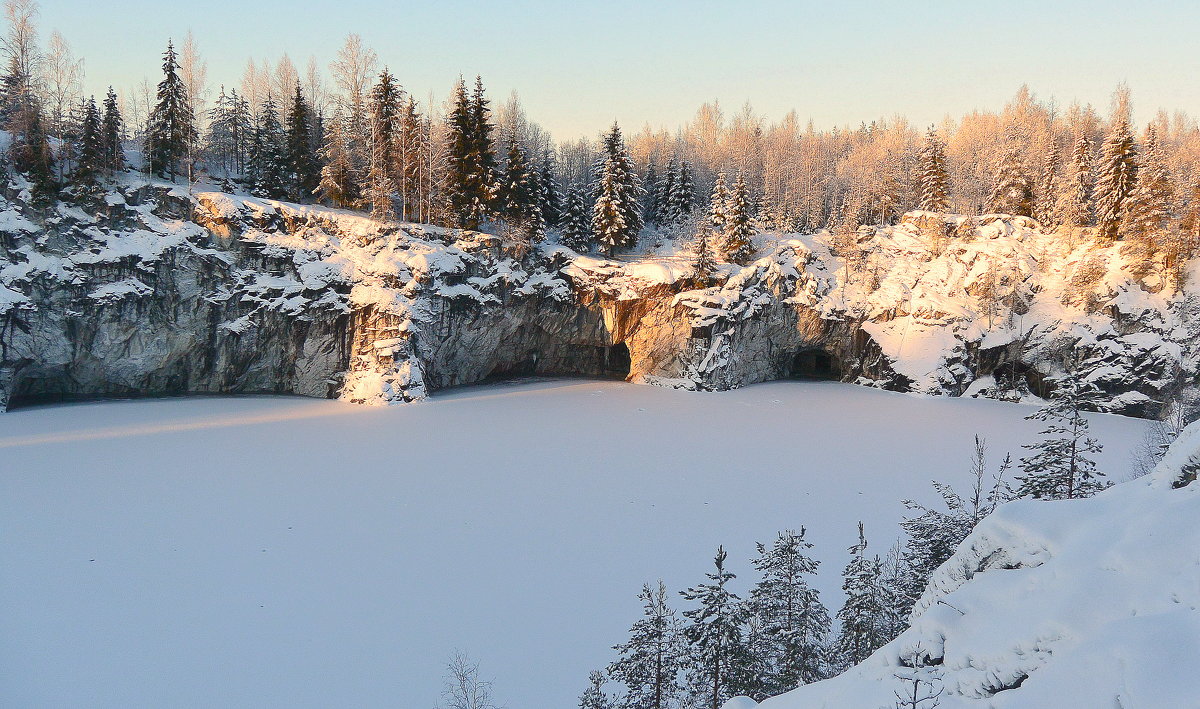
<point>815,364</point>
<point>617,361</point>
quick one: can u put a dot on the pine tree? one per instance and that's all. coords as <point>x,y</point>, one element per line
<point>90,162</point>
<point>171,127</point>
<point>794,622</point>
<point>483,156</point>
<point>650,200</point>
<point>617,213</point>
<point>266,168</point>
<point>1060,464</point>
<point>471,161</point>
<point>519,194</point>
<point>1012,189</point>
<point>663,189</point>
<point>552,198</point>
<point>1115,180</point>
<point>337,185</point>
<point>681,199</point>
<point>1075,202</point>
<point>718,659</point>
<point>384,117</point>
<point>704,263</point>
<point>594,697</point>
<point>1047,197</point>
<point>1150,209</point>
<point>577,222</point>
<point>304,170</point>
<point>648,664</point>
<point>718,205</point>
<point>932,180</point>
<point>736,244</point>
<point>112,130</point>
<point>861,615</point>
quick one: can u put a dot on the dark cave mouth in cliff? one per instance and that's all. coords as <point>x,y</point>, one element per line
<point>594,361</point>
<point>815,364</point>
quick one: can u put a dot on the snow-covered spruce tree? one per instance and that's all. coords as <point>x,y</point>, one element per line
<point>1012,188</point>
<point>704,263</point>
<point>171,127</point>
<point>520,195</point>
<point>594,697</point>
<point>112,130</point>
<point>650,203</point>
<point>337,185</point>
<point>793,621</point>
<point>1060,465</point>
<point>1116,178</point>
<point>681,198</point>
<point>29,150</point>
<point>718,205</point>
<point>648,664</point>
<point>861,616</point>
<point>617,211</point>
<point>933,183</point>
<point>409,149</point>
<point>663,189</point>
<point>266,168</point>
<point>736,242</point>
<point>1075,200</point>
<point>304,169</point>
<point>384,121</point>
<point>1150,212</point>
<point>483,155</point>
<point>89,166</point>
<point>1046,195</point>
<point>577,222</point>
<point>471,161</point>
<point>552,197</point>
<point>718,659</point>
<point>934,534</point>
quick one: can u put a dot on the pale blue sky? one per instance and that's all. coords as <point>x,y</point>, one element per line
<point>579,65</point>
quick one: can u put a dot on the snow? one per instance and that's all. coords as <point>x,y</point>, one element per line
<point>270,551</point>
<point>1073,604</point>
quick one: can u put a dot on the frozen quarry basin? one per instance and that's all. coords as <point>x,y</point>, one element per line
<point>289,552</point>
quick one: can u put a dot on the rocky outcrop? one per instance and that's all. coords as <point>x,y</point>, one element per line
<point>156,291</point>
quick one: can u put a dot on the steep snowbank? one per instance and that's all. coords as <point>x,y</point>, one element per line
<point>1079,603</point>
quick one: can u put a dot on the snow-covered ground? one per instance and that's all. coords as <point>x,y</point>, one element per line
<point>280,552</point>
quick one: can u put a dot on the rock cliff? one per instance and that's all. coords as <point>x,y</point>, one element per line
<point>156,290</point>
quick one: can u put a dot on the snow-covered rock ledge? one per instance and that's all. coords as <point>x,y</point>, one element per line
<point>1076,603</point>
<point>156,290</point>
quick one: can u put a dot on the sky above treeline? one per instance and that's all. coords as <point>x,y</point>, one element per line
<point>577,66</point>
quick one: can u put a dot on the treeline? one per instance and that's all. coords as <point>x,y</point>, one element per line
<point>362,141</point>
<point>780,635</point>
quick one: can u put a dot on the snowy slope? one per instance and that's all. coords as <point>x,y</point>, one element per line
<point>1069,604</point>
<point>287,552</point>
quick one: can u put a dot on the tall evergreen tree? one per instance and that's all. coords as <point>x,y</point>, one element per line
<point>617,213</point>
<point>861,615</point>
<point>648,664</point>
<point>171,127</point>
<point>1046,195</point>
<point>113,130</point>
<point>266,166</point>
<point>89,166</point>
<point>470,180</point>
<point>411,146</point>
<point>933,183</point>
<point>1060,464</point>
<point>577,222</point>
<point>736,244</point>
<point>1075,201</point>
<point>719,658</point>
<point>337,186</point>
<point>663,189</point>
<point>1115,180</point>
<point>1151,205</point>
<point>1012,188</point>
<point>704,263</point>
<point>29,150</point>
<point>794,622</point>
<point>384,116</point>
<point>718,205</point>
<point>552,198</point>
<point>483,154</point>
<point>650,203</point>
<point>304,169</point>
<point>519,193</point>
<point>681,198</point>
